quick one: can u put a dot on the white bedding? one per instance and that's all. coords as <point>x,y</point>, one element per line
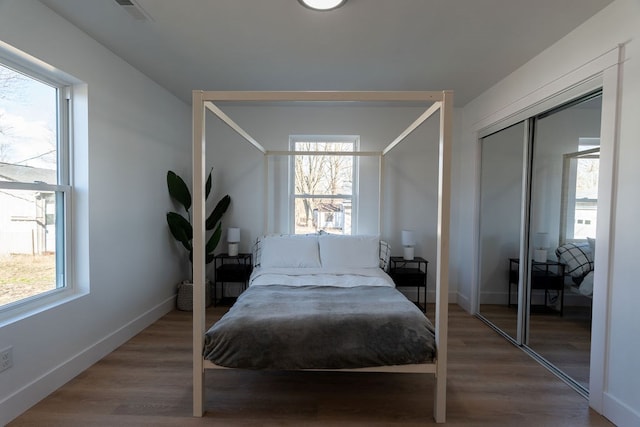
<point>586,286</point>
<point>343,278</point>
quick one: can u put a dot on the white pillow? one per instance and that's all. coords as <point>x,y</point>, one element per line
<point>586,286</point>
<point>577,258</point>
<point>290,251</point>
<point>338,251</point>
<point>592,245</point>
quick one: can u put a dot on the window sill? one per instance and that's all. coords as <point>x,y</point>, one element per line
<point>38,304</point>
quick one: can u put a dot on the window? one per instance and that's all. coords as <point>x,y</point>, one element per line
<point>322,189</point>
<point>34,185</point>
<point>586,195</point>
<point>580,193</point>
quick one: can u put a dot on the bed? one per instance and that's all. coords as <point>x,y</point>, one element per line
<point>321,302</point>
<point>578,260</point>
<point>438,102</point>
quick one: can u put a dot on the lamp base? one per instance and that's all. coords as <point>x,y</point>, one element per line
<point>540,255</point>
<point>408,253</point>
<point>233,249</point>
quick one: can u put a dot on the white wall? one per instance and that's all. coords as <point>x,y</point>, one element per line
<point>126,258</point>
<point>501,183</point>
<point>619,398</point>
<point>409,189</point>
<point>556,135</point>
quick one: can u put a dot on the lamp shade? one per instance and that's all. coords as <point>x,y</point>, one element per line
<point>233,235</point>
<point>407,238</point>
<point>541,240</point>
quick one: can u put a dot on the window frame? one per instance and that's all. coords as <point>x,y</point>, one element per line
<point>568,194</point>
<point>41,72</point>
<point>354,197</point>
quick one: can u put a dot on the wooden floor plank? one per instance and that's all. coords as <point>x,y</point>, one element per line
<point>147,381</point>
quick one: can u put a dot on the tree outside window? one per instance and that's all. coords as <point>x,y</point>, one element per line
<point>323,184</point>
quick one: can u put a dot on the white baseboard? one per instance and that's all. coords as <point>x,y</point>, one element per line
<point>619,413</point>
<point>27,396</point>
<point>464,302</point>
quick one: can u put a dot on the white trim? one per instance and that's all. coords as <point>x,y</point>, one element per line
<point>45,74</point>
<point>34,186</point>
<point>603,71</point>
<point>605,232</point>
<point>324,153</point>
<point>618,412</point>
<point>33,67</point>
<point>568,86</point>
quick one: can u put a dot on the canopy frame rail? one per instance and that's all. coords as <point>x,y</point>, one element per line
<point>442,101</point>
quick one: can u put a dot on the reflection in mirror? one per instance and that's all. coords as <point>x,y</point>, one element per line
<point>564,199</point>
<point>579,208</point>
<point>501,196</point>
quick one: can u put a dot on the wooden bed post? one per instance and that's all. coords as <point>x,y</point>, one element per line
<point>441,100</point>
<point>442,276</point>
<point>199,153</point>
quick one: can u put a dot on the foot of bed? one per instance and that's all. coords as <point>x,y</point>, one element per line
<point>439,411</point>
<point>440,399</point>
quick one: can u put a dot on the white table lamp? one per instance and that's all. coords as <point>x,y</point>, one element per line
<point>233,238</point>
<point>540,247</point>
<point>408,242</point>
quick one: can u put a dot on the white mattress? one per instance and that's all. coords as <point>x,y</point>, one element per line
<point>343,278</point>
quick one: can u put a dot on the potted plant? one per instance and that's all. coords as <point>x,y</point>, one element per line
<point>182,230</point>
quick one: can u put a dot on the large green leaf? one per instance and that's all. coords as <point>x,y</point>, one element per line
<point>214,240</point>
<point>207,186</point>
<point>218,211</point>
<point>180,229</point>
<point>179,190</point>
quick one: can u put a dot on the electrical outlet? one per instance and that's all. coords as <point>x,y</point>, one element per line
<point>6,358</point>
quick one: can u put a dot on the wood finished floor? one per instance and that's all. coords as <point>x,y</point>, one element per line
<point>565,341</point>
<point>147,382</point>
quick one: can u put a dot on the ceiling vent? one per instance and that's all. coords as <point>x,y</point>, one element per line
<point>135,10</point>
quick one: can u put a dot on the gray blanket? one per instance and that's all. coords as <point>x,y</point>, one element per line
<point>311,327</point>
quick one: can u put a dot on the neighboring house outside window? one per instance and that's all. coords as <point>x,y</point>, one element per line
<point>34,185</point>
<point>323,184</point>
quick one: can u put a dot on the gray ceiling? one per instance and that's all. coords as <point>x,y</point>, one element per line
<point>463,45</point>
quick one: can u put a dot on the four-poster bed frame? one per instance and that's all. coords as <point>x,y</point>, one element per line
<point>442,101</point>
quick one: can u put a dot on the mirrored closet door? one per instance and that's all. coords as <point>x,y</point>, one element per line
<point>538,216</point>
<point>563,218</point>
<point>501,198</point>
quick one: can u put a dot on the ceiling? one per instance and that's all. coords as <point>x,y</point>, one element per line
<point>463,45</point>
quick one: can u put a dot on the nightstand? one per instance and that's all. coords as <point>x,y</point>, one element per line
<point>547,276</point>
<point>410,273</point>
<point>230,269</point>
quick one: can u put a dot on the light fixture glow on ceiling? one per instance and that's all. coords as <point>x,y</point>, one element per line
<point>322,4</point>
